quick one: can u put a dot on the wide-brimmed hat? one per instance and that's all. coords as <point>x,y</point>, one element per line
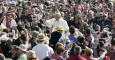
<point>42,37</point>
<point>59,28</point>
<point>22,47</point>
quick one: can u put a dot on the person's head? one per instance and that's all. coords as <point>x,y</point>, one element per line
<point>9,15</point>
<point>21,49</point>
<point>19,10</point>
<point>72,30</point>
<point>29,3</point>
<point>88,52</point>
<point>35,34</point>
<point>46,16</point>
<point>81,39</point>
<point>60,50</point>
<point>87,32</point>
<point>31,55</point>
<point>97,28</point>
<point>77,50</point>
<point>57,16</point>
<point>14,50</point>
<point>113,42</point>
<point>101,44</point>
<point>42,38</point>
<point>59,44</point>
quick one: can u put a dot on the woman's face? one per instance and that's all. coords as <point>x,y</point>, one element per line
<point>8,16</point>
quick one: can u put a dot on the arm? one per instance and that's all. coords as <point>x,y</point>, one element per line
<point>103,55</point>
<point>27,36</point>
<point>78,33</point>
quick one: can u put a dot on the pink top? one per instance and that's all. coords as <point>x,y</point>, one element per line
<point>8,23</point>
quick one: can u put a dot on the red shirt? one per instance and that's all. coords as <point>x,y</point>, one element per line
<point>76,57</point>
<point>89,58</point>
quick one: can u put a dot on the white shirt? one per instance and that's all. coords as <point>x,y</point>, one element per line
<point>53,23</point>
<point>12,23</point>
<point>42,51</point>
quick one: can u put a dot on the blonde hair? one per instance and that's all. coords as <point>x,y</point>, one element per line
<point>31,54</point>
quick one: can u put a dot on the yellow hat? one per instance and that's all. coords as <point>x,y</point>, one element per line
<point>57,28</point>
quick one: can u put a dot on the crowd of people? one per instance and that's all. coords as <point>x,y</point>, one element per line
<point>57,30</point>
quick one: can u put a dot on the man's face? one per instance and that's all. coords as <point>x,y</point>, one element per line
<point>57,17</point>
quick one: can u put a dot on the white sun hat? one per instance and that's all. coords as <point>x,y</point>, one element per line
<point>22,47</point>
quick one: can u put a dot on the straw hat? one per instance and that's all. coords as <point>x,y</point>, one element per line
<point>42,37</point>
<point>59,28</point>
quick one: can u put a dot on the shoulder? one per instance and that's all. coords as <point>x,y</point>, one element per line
<point>23,57</point>
<point>63,20</point>
<point>60,58</point>
<point>12,20</point>
<point>2,56</point>
<point>35,47</point>
<point>48,47</point>
<point>82,58</point>
<point>50,20</point>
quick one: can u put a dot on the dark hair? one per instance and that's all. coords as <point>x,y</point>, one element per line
<point>78,1</point>
<point>102,40</point>
<point>87,31</point>
<point>72,49</point>
<point>104,35</point>
<point>47,58</point>
<point>72,29</point>
<point>101,44</point>
<point>81,39</point>
<point>8,13</point>
<point>113,41</point>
